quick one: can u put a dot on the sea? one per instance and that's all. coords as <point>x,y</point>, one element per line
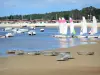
<point>40,41</point>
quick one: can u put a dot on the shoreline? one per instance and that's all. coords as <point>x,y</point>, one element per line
<point>47,65</point>
<point>44,25</point>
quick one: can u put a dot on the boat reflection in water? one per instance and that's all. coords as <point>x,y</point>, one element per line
<point>70,42</point>
<point>63,42</point>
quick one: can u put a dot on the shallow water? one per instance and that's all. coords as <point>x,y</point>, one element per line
<point>40,41</point>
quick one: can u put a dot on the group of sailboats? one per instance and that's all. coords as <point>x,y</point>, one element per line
<point>63,29</point>
<point>93,33</point>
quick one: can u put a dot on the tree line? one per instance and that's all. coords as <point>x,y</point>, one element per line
<point>76,14</point>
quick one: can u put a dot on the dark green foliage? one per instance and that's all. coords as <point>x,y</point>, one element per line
<point>76,14</point>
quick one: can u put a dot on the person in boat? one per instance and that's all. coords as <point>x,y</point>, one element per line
<point>73,34</point>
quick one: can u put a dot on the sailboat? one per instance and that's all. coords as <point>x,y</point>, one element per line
<point>62,28</point>
<point>83,27</point>
<point>94,29</point>
<point>72,30</point>
<point>83,31</point>
<point>71,25</point>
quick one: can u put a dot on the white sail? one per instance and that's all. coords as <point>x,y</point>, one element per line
<point>64,28</point>
<point>71,25</point>
<point>60,26</point>
<point>94,25</point>
<point>84,26</point>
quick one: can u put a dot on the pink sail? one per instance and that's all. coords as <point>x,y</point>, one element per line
<point>63,20</point>
<point>60,20</point>
<point>70,20</point>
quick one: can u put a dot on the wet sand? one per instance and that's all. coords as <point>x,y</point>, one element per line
<point>47,65</point>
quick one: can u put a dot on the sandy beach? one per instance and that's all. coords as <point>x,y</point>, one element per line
<point>47,65</point>
<point>44,25</point>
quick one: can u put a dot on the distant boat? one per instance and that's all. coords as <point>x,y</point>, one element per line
<point>9,35</point>
<point>22,30</point>
<point>41,30</point>
<point>31,32</point>
<point>32,27</point>
<point>15,30</point>
<point>8,29</point>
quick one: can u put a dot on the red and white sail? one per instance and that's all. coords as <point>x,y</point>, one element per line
<point>64,24</point>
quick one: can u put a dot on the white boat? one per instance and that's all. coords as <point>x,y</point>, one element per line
<point>31,32</point>
<point>22,30</point>
<point>19,31</point>
<point>42,30</point>
<point>63,56</point>
<point>14,30</point>
<point>9,35</point>
<point>8,29</point>
<point>60,36</point>
<point>32,27</point>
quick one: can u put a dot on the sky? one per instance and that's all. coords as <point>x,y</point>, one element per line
<point>17,7</point>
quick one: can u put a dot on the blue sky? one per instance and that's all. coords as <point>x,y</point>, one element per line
<point>13,7</point>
